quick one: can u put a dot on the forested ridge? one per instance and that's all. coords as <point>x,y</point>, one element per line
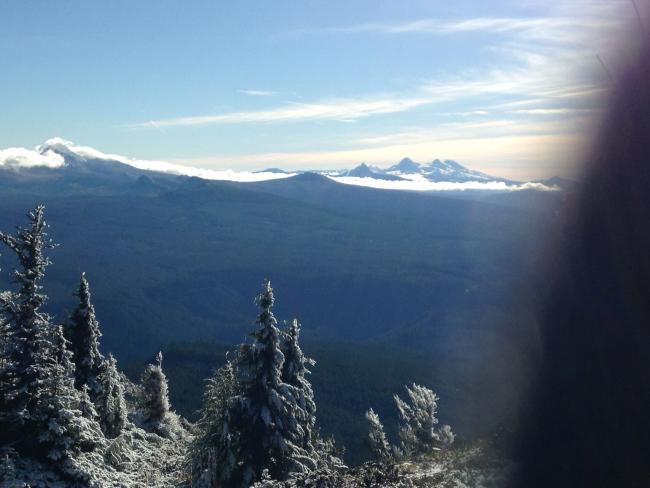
<point>70,417</point>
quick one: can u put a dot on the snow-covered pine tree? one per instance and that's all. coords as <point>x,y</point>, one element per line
<point>25,327</point>
<point>418,422</point>
<point>294,373</point>
<point>82,331</point>
<point>4,342</point>
<point>40,414</point>
<point>262,422</point>
<point>208,453</point>
<point>110,404</point>
<point>155,398</point>
<point>376,441</point>
<point>446,436</point>
<point>59,409</point>
<point>86,405</point>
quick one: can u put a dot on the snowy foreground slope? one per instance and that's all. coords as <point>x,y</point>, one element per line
<point>146,460</point>
<point>136,458</point>
<point>470,467</point>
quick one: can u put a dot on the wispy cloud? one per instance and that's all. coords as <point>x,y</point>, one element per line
<point>555,111</point>
<point>554,29</point>
<point>538,75</point>
<point>259,93</point>
<point>440,27</point>
<point>517,82</point>
<point>336,109</point>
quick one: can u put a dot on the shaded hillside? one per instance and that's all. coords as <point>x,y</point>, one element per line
<point>176,263</point>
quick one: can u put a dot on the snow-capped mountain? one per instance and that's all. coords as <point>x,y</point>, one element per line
<point>437,170</point>
<point>365,171</point>
<point>449,170</point>
<point>407,169</point>
<point>405,166</point>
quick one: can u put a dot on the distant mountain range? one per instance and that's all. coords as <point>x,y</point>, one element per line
<point>436,170</point>
<point>57,154</point>
<point>441,171</point>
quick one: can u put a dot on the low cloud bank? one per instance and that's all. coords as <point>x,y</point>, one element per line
<point>18,157</point>
<point>426,185</point>
<point>85,152</point>
<point>208,174</point>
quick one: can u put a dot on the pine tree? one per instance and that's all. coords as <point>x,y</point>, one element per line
<point>82,331</point>
<point>294,373</point>
<point>59,411</point>
<point>25,326</point>
<point>37,403</point>
<point>418,422</point>
<point>155,399</point>
<point>376,441</point>
<point>86,406</point>
<point>41,411</point>
<point>4,352</point>
<point>262,422</point>
<point>209,451</point>
<point>110,404</point>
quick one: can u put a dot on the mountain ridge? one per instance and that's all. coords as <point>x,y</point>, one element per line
<point>406,174</point>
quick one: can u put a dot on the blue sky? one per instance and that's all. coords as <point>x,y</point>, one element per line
<point>507,87</point>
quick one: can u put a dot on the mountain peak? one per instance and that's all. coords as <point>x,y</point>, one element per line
<point>361,171</point>
<point>365,171</point>
<point>406,165</point>
<point>310,176</point>
<point>55,143</point>
<point>559,182</point>
<point>73,155</point>
<point>272,170</point>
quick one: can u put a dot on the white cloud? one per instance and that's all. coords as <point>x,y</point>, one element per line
<point>425,185</point>
<point>259,93</point>
<point>538,26</point>
<point>538,79</point>
<point>549,80</point>
<point>554,111</point>
<point>469,113</point>
<point>337,109</point>
<point>207,174</point>
<point>160,166</point>
<point>479,130</point>
<point>569,26</point>
<point>18,157</point>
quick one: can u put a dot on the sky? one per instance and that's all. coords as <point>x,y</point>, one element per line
<point>511,88</point>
